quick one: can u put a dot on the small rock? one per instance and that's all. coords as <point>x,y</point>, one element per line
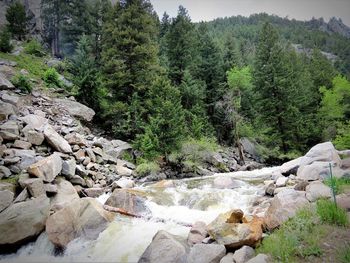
<point>197,233</point>
<point>34,121</point>
<point>35,138</point>
<point>68,168</point>
<point>5,83</point>
<point>206,253</point>
<point>81,171</point>
<point>14,100</point>
<point>228,258</point>
<point>56,141</point>
<point>281,181</point>
<point>76,179</point>
<point>23,196</point>
<point>86,161</point>
<point>243,254</point>
<point>22,145</point>
<point>125,183</point>
<point>301,186</point>
<point>50,188</point>
<point>94,192</point>
<point>6,110</point>
<point>270,189</point>
<point>4,172</point>
<point>35,186</point>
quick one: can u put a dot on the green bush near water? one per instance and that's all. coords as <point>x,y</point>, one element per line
<point>147,168</point>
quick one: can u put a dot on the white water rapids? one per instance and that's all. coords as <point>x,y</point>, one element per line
<point>126,238</point>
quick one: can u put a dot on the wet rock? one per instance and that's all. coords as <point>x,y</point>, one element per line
<point>56,140</point>
<point>6,198</point>
<point>165,248</point>
<point>284,206</point>
<point>76,109</point>
<point>68,168</point>
<point>243,254</point>
<point>6,110</point>
<point>225,182</point>
<point>22,145</point>
<point>23,221</point>
<point>197,233</point>
<point>128,201</point>
<point>316,190</point>
<point>82,218</point>
<point>164,184</point>
<point>47,168</point>
<point>206,253</point>
<point>34,137</point>
<point>233,230</point>
<point>66,194</point>
<point>270,189</point>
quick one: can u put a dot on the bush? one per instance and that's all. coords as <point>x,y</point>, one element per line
<point>51,78</point>
<point>22,82</point>
<point>147,168</point>
<point>331,214</point>
<point>5,42</point>
<point>33,47</point>
<point>298,237</point>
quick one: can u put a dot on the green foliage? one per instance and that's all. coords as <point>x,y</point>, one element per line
<point>147,168</point>
<point>5,42</point>
<point>298,237</point>
<point>344,254</point>
<point>33,47</point>
<point>22,82</point>
<point>17,20</point>
<point>342,139</point>
<point>51,78</point>
<point>339,184</point>
<point>331,214</point>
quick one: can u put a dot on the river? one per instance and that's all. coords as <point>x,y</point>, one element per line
<point>173,209</point>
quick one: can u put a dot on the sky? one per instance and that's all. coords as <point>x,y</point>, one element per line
<point>206,10</point>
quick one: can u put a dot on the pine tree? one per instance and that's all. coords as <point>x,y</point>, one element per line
<point>231,56</point>
<point>129,58</point>
<point>17,20</point>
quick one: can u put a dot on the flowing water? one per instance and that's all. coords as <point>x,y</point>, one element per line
<point>173,210</point>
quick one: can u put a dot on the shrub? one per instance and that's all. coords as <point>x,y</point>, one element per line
<point>51,78</point>
<point>298,237</point>
<point>331,214</point>
<point>147,168</point>
<point>33,47</point>
<point>22,82</point>
<point>5,42</point>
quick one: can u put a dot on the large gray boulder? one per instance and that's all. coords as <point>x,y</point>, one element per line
<point>82,218</point>
<point>56,140</point>
<point>5,83</point>
<point>6,198</point>
<point>314,171</point>
<point>66,193</point>
<point>47,168</point>
<point>324,152</point>
<point>316,190</point>
<point>21,222</point>
<point>76,109</point>
<point>165,248</point>
<point>206,253</point>
<point>35,186</point>
<point>284,206</point>
<point>68,168</point>
<point>128,201</point>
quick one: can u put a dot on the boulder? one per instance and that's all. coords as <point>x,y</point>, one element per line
<point>283,206</point>
<point>260,258</point>
<point>4,172</point>
<point>6,110</point>
<point>82,218</point>
<point>301,186</point>
<point>9,130</point>
<point>75,139</point>
<point>76,109</point>
<point>12,99</point>
<point>125,183</point>
<point>243,254</point>
<point>324,152</point>
<point>128,201</point>
<point>281,181</point>
<point>94,192</point>
<point>316,190</point>
<point>47,168</point>
<point>123,171</point>
<point>76,179</point>
<point>314,171</point>
<point>197,233</point>
<point>270,189</point>
<point>34,121</point>
<point>68,168</point>
<point>250,147</point>
<point>35,186</point>
<point>21,222</point>
<point>225,182</point>
<point>50,188</point>
<point>22,145</point>
<point>165,248</point>
<point>233,230</point>
<point>66,194</point>
<point>6,198</point>
<point>56,140</point>
<point>164,184</point>
<point>343,201</point>
<point>228,258</point>
<point>206,253</point>
<point>34,137</point>
<point>5,83</point>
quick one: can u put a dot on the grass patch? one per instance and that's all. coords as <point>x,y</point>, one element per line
<point>331,214</point>
<point>147,168</point>
<point>340,184</point>
<point>298,237</point>
<point>12,179</point>
<point>34,65</point>
<point>344,254</point>
<point>22,82</point>
<point>33,47</point>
